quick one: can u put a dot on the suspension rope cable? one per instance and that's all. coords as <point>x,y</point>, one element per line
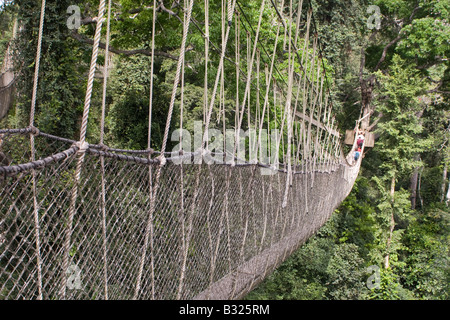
<point>207,42</point>
<point>149,226</point>
<point>149,146</point>
<point>102,159</point>
<point>238,61</point>
<point>33,149</point>
<point>218,75</point>
<point>181,214</point>
<point>320,50</point>
<point>288,108</point>
<point>294,45</point>
<point>177,77</point>
<point>82,146</point>
<point>215,47</point>
<point>259,40</point>
<point>249,69</point>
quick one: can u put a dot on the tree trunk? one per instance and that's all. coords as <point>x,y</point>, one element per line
<point>419,189</point>
<point>7,77</point>
<point>366,100</point>
<point>448,193</point>
<point>444,182</point>
<point>391,229</point>
<point>413,183</point>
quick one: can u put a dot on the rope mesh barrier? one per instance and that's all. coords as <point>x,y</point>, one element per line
<point>236,213</point>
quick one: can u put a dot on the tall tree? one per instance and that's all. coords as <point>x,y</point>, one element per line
<point>61,82</point>
<point>413,29</point>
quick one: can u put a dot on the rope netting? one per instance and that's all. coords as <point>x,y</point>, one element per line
<point>85,221</point>
<point>218,230</point>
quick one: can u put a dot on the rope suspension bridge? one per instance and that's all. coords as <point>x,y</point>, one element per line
<point>86,221</point>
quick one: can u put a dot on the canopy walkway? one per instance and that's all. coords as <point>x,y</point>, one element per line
<point>86,221</point>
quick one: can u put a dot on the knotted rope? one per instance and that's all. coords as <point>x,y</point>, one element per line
<point>82,143</point>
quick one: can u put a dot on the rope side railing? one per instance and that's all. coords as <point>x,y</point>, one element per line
<point>233,234</point>
<point>136,155</point>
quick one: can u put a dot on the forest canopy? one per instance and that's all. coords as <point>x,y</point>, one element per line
<point>388,59</point>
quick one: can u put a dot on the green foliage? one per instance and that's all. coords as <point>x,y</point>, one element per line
<point>400,125</point>
<point>319,270</point>
<point>426,254</point>
<point>60,91</point>
<point>333,264</point>
<point>6,28</point>
<point>413,121</point>
<point>426,37</point>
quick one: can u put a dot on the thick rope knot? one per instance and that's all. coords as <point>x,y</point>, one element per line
<point>82,146</point>
<point>150,152</point>
<point>33,130</point>
<point>162,160</point>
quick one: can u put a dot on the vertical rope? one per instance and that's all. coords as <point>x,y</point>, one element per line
<point>227,217</point>
<point>188,236</point>
<point>266,101</point>
<point>105,75</point>
<point>306,131</point>
<point>222,89</point>
<point>33,151</point>
<point>152,66</point>
<point>237,57</point>
<point>37,63</point>
<point>275,119</point>
<point>297,134</point>
<point>228,170</point>
<point>314,102</point>
<point>249,70</point>
<point>218,76</point>
<point>102,159</point>
<point>149,225</point>
<point>249,78</point>
<point>327,132</point>
<point>319,112</point>
<point>177,76</point>
<point>244,236</point>
<point>297,130</point>
<point>181,214</point>
<point>208,224</point>
<point>258,119</point>
<point>205,95</point>
<point>149,145</point>
<point>288,111</point>
<point>320,139</point>
<point>329,149</point>
<point>82,146</point>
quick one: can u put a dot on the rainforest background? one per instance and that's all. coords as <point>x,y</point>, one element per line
<point>390,238</point>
